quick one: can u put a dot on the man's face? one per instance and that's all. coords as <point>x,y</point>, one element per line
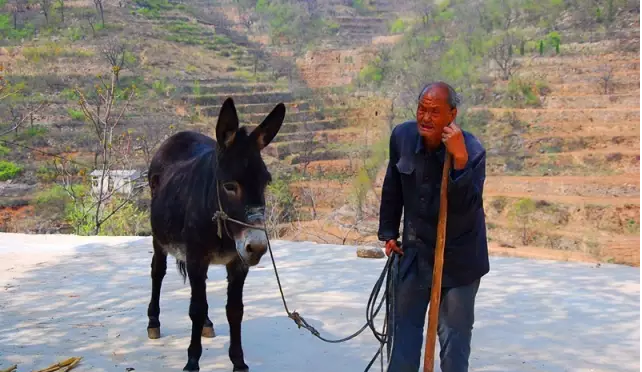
<point>434,113</point>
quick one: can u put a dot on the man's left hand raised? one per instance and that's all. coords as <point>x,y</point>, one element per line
<point>453,139</point>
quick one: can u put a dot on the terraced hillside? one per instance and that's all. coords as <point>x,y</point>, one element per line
<point>321,129</point>
<point>564,181</point>
<point>181,65</point>
<point>186,61</point>
<point>583,158</point>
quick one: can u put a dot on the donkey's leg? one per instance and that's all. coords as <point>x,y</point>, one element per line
<point>208,328</point>
<point>196,271</point>
<point>159,268</point>
<point>236,274</point>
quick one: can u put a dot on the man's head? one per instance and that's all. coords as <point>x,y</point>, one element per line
<point>436,109</point>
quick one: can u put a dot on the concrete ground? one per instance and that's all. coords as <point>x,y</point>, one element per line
<point>63,296</point>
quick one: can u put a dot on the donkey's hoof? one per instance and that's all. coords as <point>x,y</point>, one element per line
<point>192,365</point>
<point>208,332</point>
<point>153,333</point>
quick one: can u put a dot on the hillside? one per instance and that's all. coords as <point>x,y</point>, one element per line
<point>552,92</point>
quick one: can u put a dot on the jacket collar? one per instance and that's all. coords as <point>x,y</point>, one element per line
<point>420,148</point>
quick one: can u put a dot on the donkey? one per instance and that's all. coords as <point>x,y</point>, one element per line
<point>192,177</point>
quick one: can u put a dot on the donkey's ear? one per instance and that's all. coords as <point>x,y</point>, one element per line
<point>267,130</point>
<point>227,124</point>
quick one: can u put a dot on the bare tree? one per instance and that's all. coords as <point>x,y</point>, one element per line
<point>45,6</point>
<point>5,88</point>
<point>100,113</point>
<point>99,9</point>
<point>501,51</point>
<point>309,195</point>
<point>246,12</point>
<point>18,6</point>
<point>91,20</point>
<point>61,3</point>
<point>151,136</point>
<point>115,52</point>
<point>425,9</point>
<point>20,112</point>
<point>606,77</point>
<point>310,145</point>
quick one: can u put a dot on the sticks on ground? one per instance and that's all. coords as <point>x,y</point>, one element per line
<point>64,366</point>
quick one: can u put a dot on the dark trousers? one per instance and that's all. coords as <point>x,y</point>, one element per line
<point>456,318</point>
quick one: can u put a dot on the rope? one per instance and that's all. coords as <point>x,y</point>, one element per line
<point>385,337</point>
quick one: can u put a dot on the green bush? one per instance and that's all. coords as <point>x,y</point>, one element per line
<point>524,92</point>
<point>541,47</point>
<point>371,74</point>
<point>4,151</point>
<point>554,40</point>
<point>128,221</point>
<point>398,26</point>
<point>76,114</point>
<point>26,31</point>
<point>8,170</point>
<point>522,214</point>
<point>361,184</point>
<point>632,226</point>
<point>280,202</point>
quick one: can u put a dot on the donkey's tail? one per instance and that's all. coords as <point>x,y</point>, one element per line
<point>182,269</point>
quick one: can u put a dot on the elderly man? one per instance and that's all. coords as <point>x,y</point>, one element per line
<point>412,184</point>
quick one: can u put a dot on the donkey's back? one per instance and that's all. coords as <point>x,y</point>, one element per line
<point>180,147</point>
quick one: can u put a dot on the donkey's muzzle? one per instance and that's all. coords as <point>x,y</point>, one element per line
<point>255,242</point>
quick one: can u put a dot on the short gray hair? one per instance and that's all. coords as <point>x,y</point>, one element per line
<point>454,99</point>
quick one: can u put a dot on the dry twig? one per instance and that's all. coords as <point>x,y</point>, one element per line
<point>65,365</point>
<point>10,369</point>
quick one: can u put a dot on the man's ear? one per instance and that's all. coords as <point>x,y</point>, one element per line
<point>227,124</point>
<point>267,130</point>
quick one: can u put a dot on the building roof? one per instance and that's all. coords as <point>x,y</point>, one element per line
<point>116,173</point>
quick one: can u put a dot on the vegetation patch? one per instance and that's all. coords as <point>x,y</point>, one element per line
<point>153,8</point>
<point>9,170</point>
<point>521,93</point>
<point>49,51</point>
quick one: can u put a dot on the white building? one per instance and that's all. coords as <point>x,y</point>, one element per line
<point>121,181</point>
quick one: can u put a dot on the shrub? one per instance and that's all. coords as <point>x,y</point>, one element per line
<point>371,74</point>
<point>76,114</point>
<point>522,214</point>
<point>398,26</point>
<point>554,40</point>
<point>541,47</point>
<point>8,170</point>
<point>360,186</point>
<point>524,92</point>
<point>280,204</point>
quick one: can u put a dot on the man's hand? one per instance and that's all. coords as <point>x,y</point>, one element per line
<point>391,246</point>
<point>453,139</point>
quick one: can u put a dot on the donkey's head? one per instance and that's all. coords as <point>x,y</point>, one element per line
<point>243,177</point>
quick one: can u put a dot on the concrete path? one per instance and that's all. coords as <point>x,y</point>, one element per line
<point>63,296</point>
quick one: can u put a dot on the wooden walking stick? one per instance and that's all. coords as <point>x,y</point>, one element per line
<point>435,294</point>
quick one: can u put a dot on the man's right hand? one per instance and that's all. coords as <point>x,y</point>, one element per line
<point>391,246</point>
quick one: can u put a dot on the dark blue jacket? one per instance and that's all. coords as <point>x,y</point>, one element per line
<point>412,184</point>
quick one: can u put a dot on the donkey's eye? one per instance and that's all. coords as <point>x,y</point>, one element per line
<point>231,187</point>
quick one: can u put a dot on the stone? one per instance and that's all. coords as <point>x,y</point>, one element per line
<point>370,252</point>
